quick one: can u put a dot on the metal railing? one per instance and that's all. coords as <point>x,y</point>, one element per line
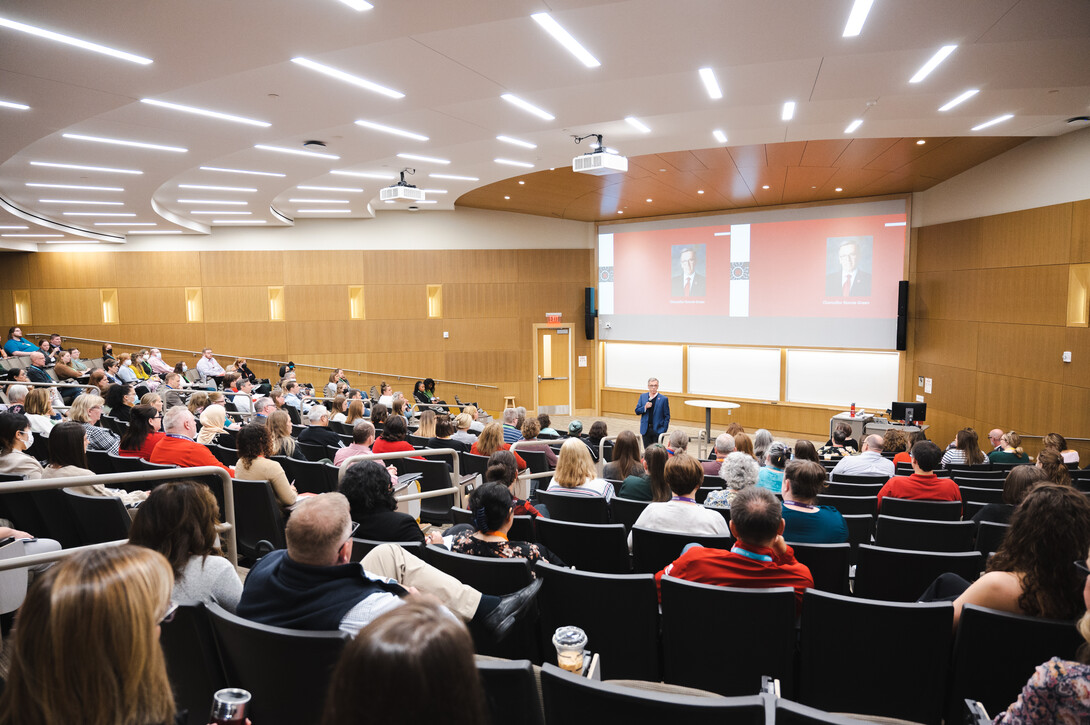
<point>108,478</point>
<point>456,488</point>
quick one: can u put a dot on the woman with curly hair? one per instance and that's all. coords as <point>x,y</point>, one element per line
<point>739,470</point>
<point>1028,575</point>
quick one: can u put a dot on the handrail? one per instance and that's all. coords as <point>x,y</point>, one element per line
<point>264,360</point>
<point>455,475</point>
<point>48,557</point>
<point>40,484</point>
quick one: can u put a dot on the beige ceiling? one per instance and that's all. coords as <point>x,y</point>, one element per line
<point>454,58</point>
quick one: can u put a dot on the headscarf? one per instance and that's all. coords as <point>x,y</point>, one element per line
<point>212,420</point>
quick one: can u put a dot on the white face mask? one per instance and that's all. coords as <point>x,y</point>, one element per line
<point>126,363</point>
<point>184,367</point>
<point>29,438</point>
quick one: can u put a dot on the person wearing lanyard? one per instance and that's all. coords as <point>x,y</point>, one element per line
<point>684,475</point>
<point>760,559</point>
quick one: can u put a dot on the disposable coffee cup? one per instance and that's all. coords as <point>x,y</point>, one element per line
<point>570,643</point>
<point>229,706</point>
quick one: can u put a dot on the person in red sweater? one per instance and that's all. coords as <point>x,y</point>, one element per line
<point>760,560</point>
<point>178,447</point>
<point>922,484</point>
<point>393,438</point>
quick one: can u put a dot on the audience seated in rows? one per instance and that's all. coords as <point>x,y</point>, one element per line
<point>68,458</point>
<point>771,474</point>
<point>805,451</point>
<point>511,432</point>
<point>840,444</point>
<point>762,441</point>
<point>965,451</point>
<point>923,483</point>
<point>1019,481</point>
<point>739,471</point>
<point>368,487</point>
<point>869,462</point>
<point>363,435</point>
<point>1056,442</point>
<point>546,424</point>
<point>760,559</point>
<point>1010,450</point>
<point>651,486</point>
<point>1051,462</point>
<point>530,442</point>
<point>743,444</point>
<point>805,522</point>
<point>575,472</point>
<point>17,345</point>
<point>179,521</point>
<point>626,456</point>
<point>682,513</point>
<point>17,393</point>
<point>493,509</point>
<point>178,447</point>
<point>502,468</point>
<point>394,437</point>
<point>491,440</point>
<point>314,585</point>
<point>16,437</point>
<point>87,410</point>
<point>318,431</point>
<point>36,408</point>
<point>214,423</point>
<point>724,445</point>
<point>895,442</point>
<point>118,401</point>
<point>677,442</point>
<point>255,445</point>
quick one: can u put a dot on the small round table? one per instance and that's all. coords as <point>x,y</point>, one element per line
<point>707,405</point>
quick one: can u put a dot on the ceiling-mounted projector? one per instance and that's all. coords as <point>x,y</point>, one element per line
<point>599,162</point>
<point>402,191</point>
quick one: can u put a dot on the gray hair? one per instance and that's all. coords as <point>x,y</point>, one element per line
<point>739,470</point>
<point>174,419</point>
<point>17,393</point>
<point>762,439</point>
<point>316,413</point>
<point>521,415</point>
<point>263,403</point>
<point>724,443</point>
<point>678,440</point>
<point>510,416</point>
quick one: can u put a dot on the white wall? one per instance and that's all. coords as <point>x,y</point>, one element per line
<point>1041,172</point>
<point>458,229</point>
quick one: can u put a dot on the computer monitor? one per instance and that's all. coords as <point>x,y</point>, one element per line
<point>909,412</point>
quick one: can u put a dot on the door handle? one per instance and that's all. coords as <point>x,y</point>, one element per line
<point>539,378</point>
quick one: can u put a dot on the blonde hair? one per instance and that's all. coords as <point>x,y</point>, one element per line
<point>1013,440</point>
<point>81,406</point>
<point>279,423</point>
<point>37,402</point>
<point>317,529</point>
<point>574,466</point>
<point>490,440</point>
<point>87,645</point>
<point>463,421</point>
<point>426,427</point>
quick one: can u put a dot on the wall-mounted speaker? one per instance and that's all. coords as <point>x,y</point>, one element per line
<point>591,310</point>
<point>902,315</point>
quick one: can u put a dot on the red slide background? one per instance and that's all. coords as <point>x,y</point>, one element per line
<point>787,269</point>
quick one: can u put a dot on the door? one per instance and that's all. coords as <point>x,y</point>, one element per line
<point>553,370</point>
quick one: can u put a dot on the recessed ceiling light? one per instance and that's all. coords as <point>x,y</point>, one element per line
<point>788,111</point>
<point>699,191</point>
<point>521,183</point>
<point>237,221</point>
<point>125,142</point>
<point>509,162</point>
<point>297,152</point>
<point>205,112</point>
<point>318,201</point>
<point>99,214</point>
<point>452,177</point>
<point>125,224</point>
<point>154,231</point>
<point>436,191</point>
<point>528,107</point>
<point>857,17</point>
<point>649,201</point>
<point>517,142</point>
<point>80,167</point>
<point>963,97</point>
<point>719,135</point>
<point>637,124</point>
<point>32,236</point>
<point>425,159</point>
<point>563,37</point>
<point>241,171</point>
<point>358,5</point>
<point>347,77</point>
<point>78,202</point>
<point>364,174</point>
<point>14,105</point>
<point>854,125</point>
<point>933,63</point>
<point>390,129</point>
<point>324,211</point>
<point>13,226</point>
<point>711,85</point>
<point>839,188</point>
<point>921,142</point>
<point>620,212</point>
<point>221,212</point>
<point>75,186</point>
<point>69,40</point>
<point>766,186</point>
<point>345,189</point>
<point>203,187</point>
<point>213,201</point>
<point>506,197</point>
<point>997,119</point>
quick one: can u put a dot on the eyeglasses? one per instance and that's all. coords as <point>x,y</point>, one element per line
<point>1081,566</point>
<point>168,616</point>
<point>352,531</point>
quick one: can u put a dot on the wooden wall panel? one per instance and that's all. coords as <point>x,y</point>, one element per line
<point>1038,294</point>
<point>1080,231</point>
<point>1077,372</point>
<point>14,271</point>
<point>946,342</point>
<point>7,307</point>
<point>236,304</point>
<point>950,295</point>
<point>148,305</point>
<point>1073,419</point>
<point>157,269</point>
<point>1032,406</point>
<point>263,339</point>
<point>68,270</point>
<point>1025,238</point>
<point>956,245</point>
<point>396,301</point>
<point>1022,351</point>
<point>52,307</point>
<point>242,268</point>
<point>322,267</point>
<point>316,302</point>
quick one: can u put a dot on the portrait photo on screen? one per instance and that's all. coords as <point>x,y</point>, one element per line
<point>849,262</point>
<point>688,264</point>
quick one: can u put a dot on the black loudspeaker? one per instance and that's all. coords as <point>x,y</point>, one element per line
<point>902,315</point>
<point>591,310</point>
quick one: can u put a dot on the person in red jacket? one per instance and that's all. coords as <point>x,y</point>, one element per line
<point>760,559</point>
<point>922,484</point>
<point>178,447</point>
<point>394,437</point>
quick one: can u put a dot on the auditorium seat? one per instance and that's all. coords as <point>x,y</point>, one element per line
<point>286,671</point>
<point>978,482</point>
<point>989,536</point>
<point>98,519</point>
<point>434,476</point>
<point>788,712</point>
<point>860,530</point>
<point>363,547</point>
<point>313,451</point>
<point>226,456</point>
<point>982,495</point>
<point>923,535</point>
<point>618,612</point>
<point>587,547</point>
<point>569,698</point>
<point>259,523</point>
<point>852,489</point>
<point>626,511</point>
<point>698,653</point>
<point>858,478</point>
<point>575,507</point>
<point>850,504</point>
<point>131,464</point>
<point>99,462</point>
<point>510,691</point>
<point>193,662</point>
<point>472,463</point>
<point>828,563</point>
<point>487,575</point>
<point>902,575</point>
<point>306,476</point>
<point>907,508</point>
<point>653,550</point>
<point>874,657</point>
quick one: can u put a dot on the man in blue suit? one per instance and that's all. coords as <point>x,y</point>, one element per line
<point>654,412</point>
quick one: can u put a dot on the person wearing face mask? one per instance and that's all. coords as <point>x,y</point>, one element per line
<point>15,438</point>
<point>107,352</point>
<point>155,360</point>
<point>125,372</point>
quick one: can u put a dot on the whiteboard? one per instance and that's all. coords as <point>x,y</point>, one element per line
<point>629,366</point>
<point>840,377</point>
<point>735,372</point>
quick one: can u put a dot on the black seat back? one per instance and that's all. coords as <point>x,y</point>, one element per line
<point>828,564</point>
<point>693,656</point>
<point>363,547</point>
<point>487,575</point>
<point>193,662</point>
<point>626,511</point>
<point>859,478</point>
<point>307,477</point>
<point>907,508</point>
<point>510,690</point>
<point>902,575</point>
<point>653,550</point>
<point>924,535</point>
<point>575,507</point>
<point>587,547</point>
<point>313,451</point>
<point>98,518</point>
<point>259,523</point>
<point>434,476</point>
<point>850,504</point>
<point>989,535</point>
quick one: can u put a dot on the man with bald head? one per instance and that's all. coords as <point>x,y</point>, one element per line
<point>869,462</point>
<point>36,370</point>
<point>995,436</point>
